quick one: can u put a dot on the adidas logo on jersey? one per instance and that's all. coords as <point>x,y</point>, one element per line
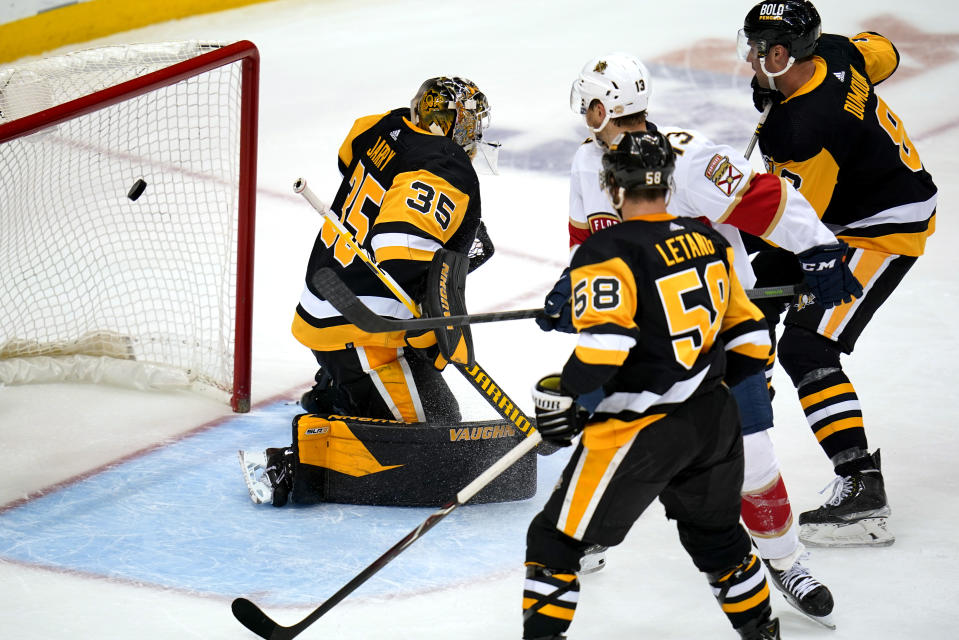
<point>395,134</point>
<point>840,75</point>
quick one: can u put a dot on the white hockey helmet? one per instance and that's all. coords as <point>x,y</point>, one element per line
<point>618,80</point>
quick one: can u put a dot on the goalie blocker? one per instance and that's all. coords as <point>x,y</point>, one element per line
<point>382,462</point>
<point>445,297</point>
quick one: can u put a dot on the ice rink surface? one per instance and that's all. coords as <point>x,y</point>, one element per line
<point>123,514</point>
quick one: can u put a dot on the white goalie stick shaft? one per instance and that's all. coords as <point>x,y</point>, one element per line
<point>300,187</point>
<point>345,301</point>
<point>253,618</point>
<point>759,125</point>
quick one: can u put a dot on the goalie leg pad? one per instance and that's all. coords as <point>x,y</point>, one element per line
<point>383,462</point>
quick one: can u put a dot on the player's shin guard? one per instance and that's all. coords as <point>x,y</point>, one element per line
<point>827,396</point>
<point>549,601</point>
<point>742,593</point>
<point>833,412</point>
<point>768,516</point>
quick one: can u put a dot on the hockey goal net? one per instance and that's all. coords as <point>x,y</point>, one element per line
<point>100,284</point>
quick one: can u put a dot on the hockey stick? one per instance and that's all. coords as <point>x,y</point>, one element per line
<point>340,296</point>
<point>477,376</point>
<point>759,125</point>
<point>765,293</point>
<point>300,187</point>
<point>253,618</point>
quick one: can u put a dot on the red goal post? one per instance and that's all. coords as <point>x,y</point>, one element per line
<point>151,290</point>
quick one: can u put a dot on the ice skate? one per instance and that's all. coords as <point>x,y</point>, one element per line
<point>253,464</point>
<point>854,516</point>
<point>594,559</point>
<point>768,630</point>
<point>268,475</point>
<point>800,589</point>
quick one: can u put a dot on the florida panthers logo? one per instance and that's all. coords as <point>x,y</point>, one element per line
<point>724,174</point>
<point>599,221</point>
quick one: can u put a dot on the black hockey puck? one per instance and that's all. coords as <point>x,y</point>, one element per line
<point>137,189</point>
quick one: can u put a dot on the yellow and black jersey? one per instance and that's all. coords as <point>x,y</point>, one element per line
<point>848,153</point>
<point>661,316</point>
<point>405,193</point>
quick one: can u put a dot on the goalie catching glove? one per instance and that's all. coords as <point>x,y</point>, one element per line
<point>445,296</point>
<point>559,416</point>
<point>827,274</point>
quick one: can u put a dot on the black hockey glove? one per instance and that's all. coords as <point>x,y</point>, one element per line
<point>762,95</point>
<point>445,294</point>
<point>558,417</point>
<point>558,307</point>
<point>827,274</point>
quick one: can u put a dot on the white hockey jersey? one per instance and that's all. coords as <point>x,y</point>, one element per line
<point>714,182</point>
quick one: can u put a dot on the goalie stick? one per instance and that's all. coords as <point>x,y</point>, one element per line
<point>477,376</point>
<point>254,619</point>
<point>324,210</point>
<point>337,293</point>
<point>342,297</point>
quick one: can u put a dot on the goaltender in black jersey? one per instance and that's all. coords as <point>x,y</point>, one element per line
<point>409,189</point>
<point>406,192</point>
<point>663,325</point>
<point>409,193</point>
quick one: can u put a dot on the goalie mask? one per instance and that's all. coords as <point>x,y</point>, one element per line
<point>794,24</point>
<point>637,161</point>
<point>618,80</point>
<point>452,107</point>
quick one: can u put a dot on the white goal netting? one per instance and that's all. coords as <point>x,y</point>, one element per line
<point>90,277</point>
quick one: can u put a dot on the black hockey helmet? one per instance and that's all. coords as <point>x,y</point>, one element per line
<point>795,24</point>
<point>637,160</point>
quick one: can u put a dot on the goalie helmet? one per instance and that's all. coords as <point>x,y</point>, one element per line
<point>618,80</point>
<point>794,24</point>
<point>641,160</point>
<point>452,107</point>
